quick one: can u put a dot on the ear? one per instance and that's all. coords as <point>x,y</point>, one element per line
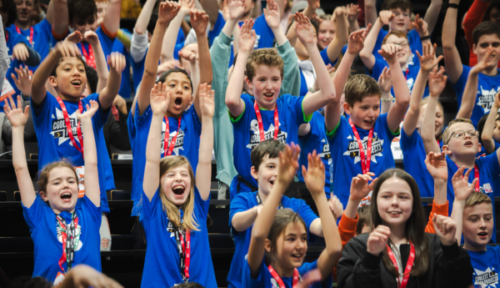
<point>267,246</point>
<point>52,81</point>
<point>44,196</point>
<point>347,108</point>
<point>474,48</point>
<point>447,150</point>
<point>249,82</point>
<point>478,147</point>
<point>254,173</point>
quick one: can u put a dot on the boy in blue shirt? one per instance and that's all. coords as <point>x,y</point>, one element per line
<point>362,143</point>
<point>486,38</point>
<point>266,116</point>
<point>245,206</point>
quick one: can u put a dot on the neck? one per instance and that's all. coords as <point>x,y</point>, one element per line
<point>398,236</point>
<point>464,160</point>
<point>68,98</point>
<point>22,25</point>
<point>474,248</point>
<point>490,71</point>
<point>263,107</point>
<point>168,114</point>
<point>282,271</point>
<point>262,195</point>
<point>57,212</point>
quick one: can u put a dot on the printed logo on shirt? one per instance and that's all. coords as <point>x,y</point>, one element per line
<point>78,243</point>
<point>485,98</point>
<point>325,152</point>
<point>353,149</point>
<point>410,82</point>
<point>269,134</point>
<point>485,279</point>
<point>58,126</point>
<point>179,142</point>
<point>274,284</point>
<point>485,188</point>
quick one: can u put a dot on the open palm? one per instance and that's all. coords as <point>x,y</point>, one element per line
<point>160,99</point>
<point>16,115</point>
<point>436,165</point>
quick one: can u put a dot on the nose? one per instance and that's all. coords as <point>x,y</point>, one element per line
<point>483,223</point>
<point>394,201</point>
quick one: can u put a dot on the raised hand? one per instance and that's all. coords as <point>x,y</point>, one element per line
<point>461,185</point>
<point>288,164</point>
<point>384,80</point>
<point>377,240</point>
<point>437,81</point>
<point>428,60</point>
<point>360,187</point>
<point>20,52</point>
<point>16,116</point>
<point>314,176</point>
<point>117,62</point>
<point>86,276</point>
<point>421,26</point>
<point>169,64</point>
<point>75,37</point>
<point>310,278</point>
<point>352,12</point>
<point>304,30</point>
<point>186,6</point>
<point>437,167</point>
<point>237,8</point>
<point>188,55</point>
<point>445,228</point>
<point>199,21</point>
<point>67,49</point>
<point>385,16</point>
<point>483,64</point>
<point>272,14</point>
<point>91,37</point>
<point>23,80</point>
<point>357,40</point>
<point>207,103</point>
<point>335,206</point>
<point>247,36</point>
<point>160,99</point>
<point>389,52</point>
<point>167,11</point>
<point>497,100</point>
<point>89,112</point>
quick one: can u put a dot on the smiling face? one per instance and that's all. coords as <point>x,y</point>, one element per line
<point>394,202</point>
<point>179,85</point>
<point>485,43</point>
<point>463,146</point>
<point>326,33</point>
<point>291,246</point>
<point>266,85</point>
<point>24,10</point>
<point>495,15</point>
<point>438,123</point>
<point>70,80</point>
<point>364,113</point>
<point>176,184</point>
<point>62,189</point>
<point>266,174</point>
<point>405,53</point>
<point>478,225</point>
<point>401,21</point>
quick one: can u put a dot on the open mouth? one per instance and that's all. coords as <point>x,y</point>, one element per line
<point>297,256</point>
<point>271,182</point>
<point>482,235</point>
<point>179,190</point>
<point>368,122</point>
<point>468,143</point>
<point>66,196</point>
<point>76,83</point>
<point>269,95</point>
<point>394,213</point>
<point>178,103</point>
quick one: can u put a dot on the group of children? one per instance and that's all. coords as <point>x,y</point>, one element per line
<point>335,139</point>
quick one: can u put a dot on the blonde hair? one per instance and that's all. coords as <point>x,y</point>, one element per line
<point>399,34</point>
<point>265,56</point>
<point>477,198</point>
<point>447,131</point>
<point>173,212</point>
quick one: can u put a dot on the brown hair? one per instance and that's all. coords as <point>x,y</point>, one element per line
<point>399,34</point>
<point>447,131</point>
<point>414,227</point>
<point>397,4</point>
<point>485,28</point>
<point>265,56</point>
<point>282,218</point>
<point>173,212</point>
<point>360,86</point>
<point>43,177</point>
<point>364,218</point>
<point>268,147</point>
<point>477,198</point>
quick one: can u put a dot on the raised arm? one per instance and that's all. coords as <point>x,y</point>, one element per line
<point>166,12</point>
<point>62,49</point>
<point>234,104</point>
<point>306,35</point>
<point>116,64</point>
<point>90,153</point>
<point>427,62</point>
<point>437,167</point>
<point>112,18</point>
<point>470,92</point>
<point>236,9</point>
<point>310,10</point>
<point>159,105</point>
<point>204,169</point>
<point>341,35</point>
<point>366,54</point>
<point>100,60</point>
<point>437,80</point>
<point>489,126</point>
<point>352,13</point>
<point>462,191</point>
<point>273,19</point>
<point>359,190</point>
<point>168,46</point>
<point>18,120</point>
<point>142,22</point>
<point>452,59</point>
<point>370,12</point>
<point>421,26</point>
<point>58,17</point>
<point>385,84</point>
<point>287,168</point>
<point>432,14</point>
<point>314,178</point>
<point>212,9</point>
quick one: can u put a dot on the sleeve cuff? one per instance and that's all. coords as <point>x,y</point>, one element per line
<point>396,133</point>
<point>331,133</point>
<point>450,251</point>
<point>224,39</point>
<point>440,209</point>
<point>372,261</point>
<point>60,37</point>
<point>107,33</point>
<point>348,224</point>
<point>282,49</point>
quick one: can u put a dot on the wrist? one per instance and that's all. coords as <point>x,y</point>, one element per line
<point>355,200</point>
<point>424,37</point>
<point>446,242</point>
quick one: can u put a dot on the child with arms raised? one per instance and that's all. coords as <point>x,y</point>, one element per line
<point>267,116</point>
<point>64,228</point>
<point>175,203</point>
<point>284,240</point>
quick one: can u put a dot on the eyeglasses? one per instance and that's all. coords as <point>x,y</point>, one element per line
<point>402,44</point>
<point>461,134</point>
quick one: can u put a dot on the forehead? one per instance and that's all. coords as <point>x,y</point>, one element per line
<point>479,209</point>
<point>73,61</point>
<point>296,228</point>
<point>266,160</point>
<point>177,76</point>
<point>370,100</point>
<point>265,70</point>
<point>461,127</point>
<point>326,25</point>
<point>490,38</point>
<point>101,4</point>
<point>396,185</point>
<point>61,172</point>
<point>178,169</point>
<point>20,2</point>
<point>400,11</point>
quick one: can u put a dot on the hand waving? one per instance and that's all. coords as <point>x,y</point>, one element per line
<point>314,176</point>
<point>237,9</point>
<point>437,81</point>
<point>421,26</point>
<point>247,36</point>
<point>91,37</point>
<point>437,167</point>
<point>207,103</point>
<point>186,6</point>
<point>461,185</point>
<point>384,80</point>
<point>304,30</point>
<point>160,99</point>
<point>357,40</point>
<point>75,37</point>
<point>16,116</point>
<point>167,11</point>
<point>117,62</point>
<point>428,60</point>
<point>272,14</point>
<point>23,80</point>
<point>360,187</point>
<point>89,112</point>
<point>199,21</point>
<point>389,52</point>
<point>288,164</point>
<point>385,16</point>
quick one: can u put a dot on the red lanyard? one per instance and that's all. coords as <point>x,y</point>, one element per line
<point>409,264</point>
<point>184,248</point>
<point>261,125</point>
<point>68,250</point>
<point>31,34</point>
<point>365,159</point>
<point>476,175</point>
<point>89,56</point>
<point>278,278</point>
<point>168,148</point>
<point>407,72</point>
<point>68,125</point>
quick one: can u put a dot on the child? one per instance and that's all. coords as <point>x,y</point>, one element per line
<point>175,203</point>
<point>486,38</point>
<point>60,222</point>
<point>490,136</point>
<point>398,252</point>
<point>182,128</point>
<point>246,206</point>
<point>349,137</point>
<point>264,70</point>
<point>283,241</point>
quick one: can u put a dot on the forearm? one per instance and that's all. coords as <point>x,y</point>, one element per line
<point>440,192</point>
<point>112,18</point>
<point>109,93</point>
<point>291,35</point>
<point>432,14</point>
<point>235,85</point>
<point>370,12</point>
<point>229,27</point>
<point>167,50</point>
<point>469,96</point>
<point>18,150</point>
<point>489,126</point>
<point>450,27</point>
<point>279,35</point>
<point>386,100</point>
<point>60,21</point>
<point>101,67</point>
<point>207,138</point>
<point>457,216</point>
<point>211,7</point>
<point>143,20</point>
<point>371,40</point>
<point>204,59</point>
<point>243,220</point>
<point>341,37</point>
<point>262,224</point>
<point>326,85</point>
<point>401,91</point>
<point>352,208</point>
<point>427,131</point>
<point>411,118</point>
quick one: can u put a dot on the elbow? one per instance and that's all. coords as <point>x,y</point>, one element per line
<point>230,103</point>
<point>139,31</point>
<point>20,168</point>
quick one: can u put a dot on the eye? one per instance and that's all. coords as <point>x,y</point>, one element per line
<point>290,239</point>
<point>496,44</point>
<point>459,135</point>
<point>171,85</point>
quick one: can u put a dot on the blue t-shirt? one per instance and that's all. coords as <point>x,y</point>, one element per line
<point>326,59</point>
<point>125,85</point>
<point>413,40</point>
<point>489,169</point>
<point>346,159</point>
<point>486,265</point>
<point>317,140</point>
<point>54,142</point>
<point>187,144</point>
<point>162,263</point>
<point>247,135</point>
<point>215,31</point>
<point>486,90</point>
<point>138,70</point>
<point>12,40</point>
<point>241,203</point>
<point>414,162</point>
<point>131,129</point>
<point>265,280</point>
<point>47,238</point>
